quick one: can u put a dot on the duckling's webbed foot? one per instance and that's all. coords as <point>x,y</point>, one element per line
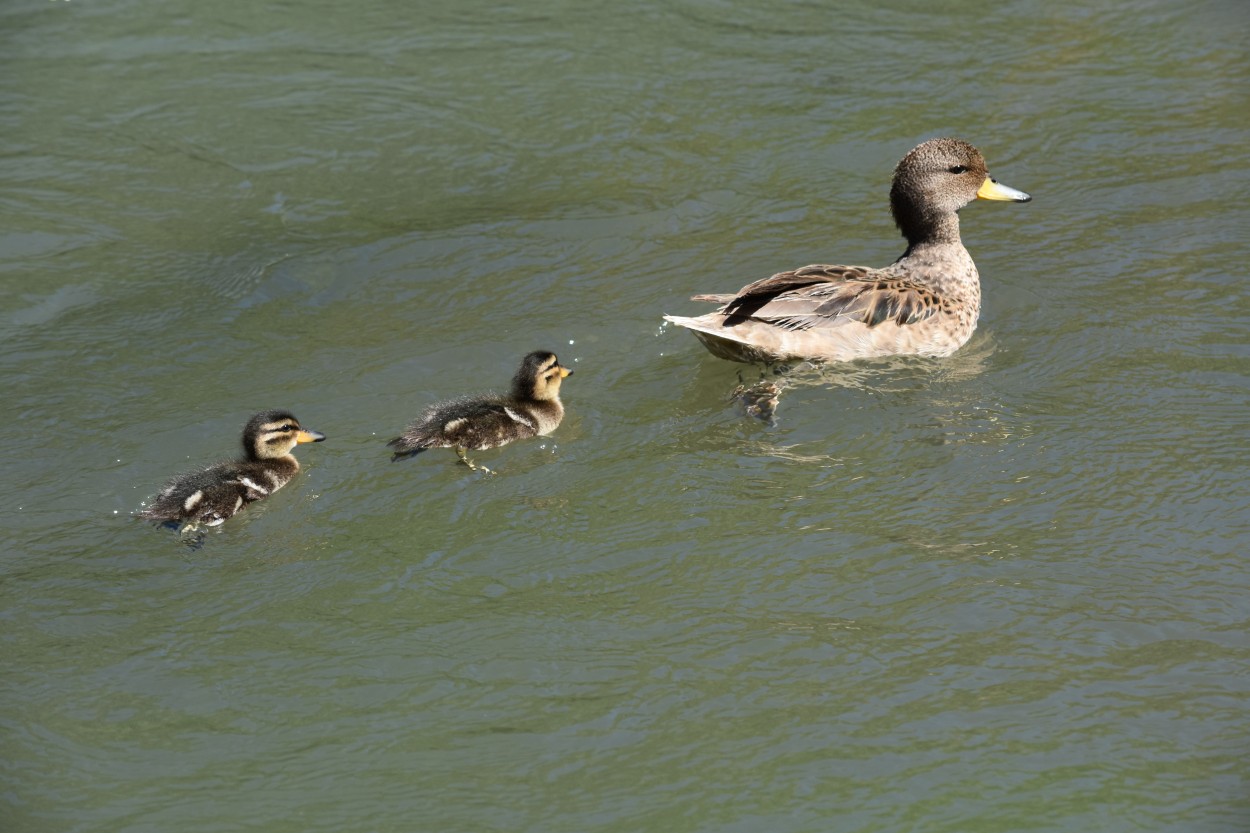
<point>460,452</point>
<point>191,534</point>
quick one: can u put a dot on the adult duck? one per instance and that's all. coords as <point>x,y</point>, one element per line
<point>925,303</point>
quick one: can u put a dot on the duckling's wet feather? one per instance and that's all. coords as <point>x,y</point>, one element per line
<point>473,423</point>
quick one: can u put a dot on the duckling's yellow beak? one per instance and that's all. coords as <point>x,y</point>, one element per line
<point>992,189</point>
<point>565,372</point>
<point>306,436</point>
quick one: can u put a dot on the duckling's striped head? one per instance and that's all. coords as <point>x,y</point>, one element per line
<point>539,377</point>
<point>272,434</point>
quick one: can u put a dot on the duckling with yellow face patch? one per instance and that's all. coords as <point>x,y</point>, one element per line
<point>212,495</point>
<point>475,423</point>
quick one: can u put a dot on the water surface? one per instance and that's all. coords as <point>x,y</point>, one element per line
<point>1001,591</point>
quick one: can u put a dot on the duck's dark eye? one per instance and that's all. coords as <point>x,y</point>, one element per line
<point>958,169</point>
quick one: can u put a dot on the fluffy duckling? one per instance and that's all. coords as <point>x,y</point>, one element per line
<point>925,303</point>
<point>474,423</point>
<point>212,495</point>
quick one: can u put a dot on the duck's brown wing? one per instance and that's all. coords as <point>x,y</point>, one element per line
<point>796,279</point>
<point>759,292</point>
<point>830,296</point>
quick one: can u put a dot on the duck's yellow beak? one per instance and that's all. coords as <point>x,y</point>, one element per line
<point>306,436</point>
<point>992,189</point>
<point>564,372</point>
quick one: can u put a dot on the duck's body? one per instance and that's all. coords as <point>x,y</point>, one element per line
<point>476,423</point>
<point>925,303</point>
<point>212,495</point>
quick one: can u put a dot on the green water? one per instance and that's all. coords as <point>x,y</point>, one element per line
<point>1005,591</point>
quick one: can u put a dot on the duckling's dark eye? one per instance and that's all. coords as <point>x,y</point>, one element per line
<point>958,169</point>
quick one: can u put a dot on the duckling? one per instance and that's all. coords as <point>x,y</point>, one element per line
<point>475,423</point>
<point>212,495</point>
<point>925,303</point>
